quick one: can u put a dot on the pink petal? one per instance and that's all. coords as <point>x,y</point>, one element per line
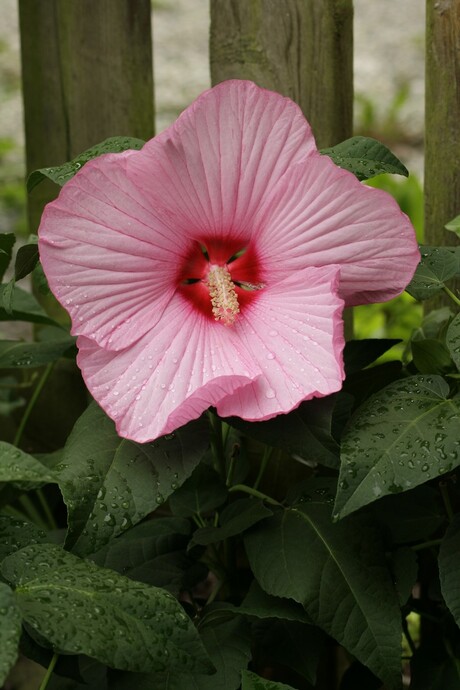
<point>322,215</point>
<point>213,166</point>
<point>109,259</point>
<point>182,366</point>
<point>294,333</point>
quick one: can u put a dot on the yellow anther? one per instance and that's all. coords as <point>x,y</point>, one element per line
<point>224,299</point>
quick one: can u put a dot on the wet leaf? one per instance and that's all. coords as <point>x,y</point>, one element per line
<point>60,174</point>
<point>398,439</point>
<point>15,534</point>
<point>109,484</point>
<point>449,568</point>
<point>24,306</point>
<point>253,682</point>
<point>82,608</point>
<point>17,466</point>
<point>437,265</point>
<point>10,631</point>
<point>431,356</point>
<point>18,354</point>
<point>365,158</point>
<point>453,340</point>
<point>338,573</point>
<point>203,491</point>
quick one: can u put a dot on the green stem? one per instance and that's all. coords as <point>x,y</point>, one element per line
<point>451,295</point>
<point>253,492</point>
<point>31,511</point>
<point>33,399</point>
<point>46,509</point>
<point>426,545</point>
<point>408,637</point>
<point>263,465</point>
<point>217,445</point>
<point>49,672</point>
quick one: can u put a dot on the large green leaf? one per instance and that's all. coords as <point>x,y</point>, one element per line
<point>453,340</point>
<point>228,645</point>
<point>202,492</point>
<point>16,353</point>
<point>24,306</point>
<point>15,534</point>
<point>449,568</point>
<point>60,174</point>
<point>305,432</point>
<point>365,158</point>
<point>437,265</point>
<point>152,552</point>
<point>110,483</point>
<point>17,466</point>
<point>250,681</point>
<point>10,631</point>
<point>82,608</point>
<point>26,259</point>
<point>399,438</point>
<point>338,572</point>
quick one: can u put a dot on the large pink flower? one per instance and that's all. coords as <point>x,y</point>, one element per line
<point>211,267</point>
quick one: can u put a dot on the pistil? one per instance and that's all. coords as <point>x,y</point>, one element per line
<point>224,300</point>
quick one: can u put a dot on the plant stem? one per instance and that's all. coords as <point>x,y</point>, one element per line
<point>217,445</point>
<point>407,635</point>
<point>33,399</point>
<point>263,465</point>
<point>451,295</point>
<point>426,544</point>
<point>253,492</point>
<point>49,671</point>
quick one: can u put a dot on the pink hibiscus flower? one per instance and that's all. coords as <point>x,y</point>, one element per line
<point>211,267</point>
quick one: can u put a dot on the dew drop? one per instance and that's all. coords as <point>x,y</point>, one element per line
<point>269,393</point>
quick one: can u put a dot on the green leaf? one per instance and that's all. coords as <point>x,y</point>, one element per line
<point>7,297</point>
<point>365,158</point>
<point>15,534</point>
<point>437,265</point>
<point>259,604</point>
<point>16,353</point>
<point>290,643</point>
<point>235,519</point>
<point>229,649</point>
<point>305,432</point>
<point>7,240</point>
<point>434,669</point>
<point>399,438</point>
<point>449,568</point>
<point>405,571</point>
<point>82,608</point>
<point>253,682</point>
<point>454,226</point>
<point>358,354</point>
<point>60,174</point>
<point>152,552</point>
<point>10,631</point>
<point>431,356</point>
<point>26,260</point>
<point>24,306</point>
<point>17,466</point>
<point>338,572</point>
<point>203,491</point>
<point>412,516</point>
<point>358,676</point>
<point>453,340</point>
<point>109,483</point>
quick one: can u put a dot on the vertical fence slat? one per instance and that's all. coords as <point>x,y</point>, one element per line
<point>87,75</point>
<point>300,48</point>
<point>442,119</point>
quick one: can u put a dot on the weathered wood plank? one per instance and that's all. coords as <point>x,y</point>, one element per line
<point>300,48</point>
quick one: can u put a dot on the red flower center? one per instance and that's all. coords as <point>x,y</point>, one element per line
<point>220,278</point>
